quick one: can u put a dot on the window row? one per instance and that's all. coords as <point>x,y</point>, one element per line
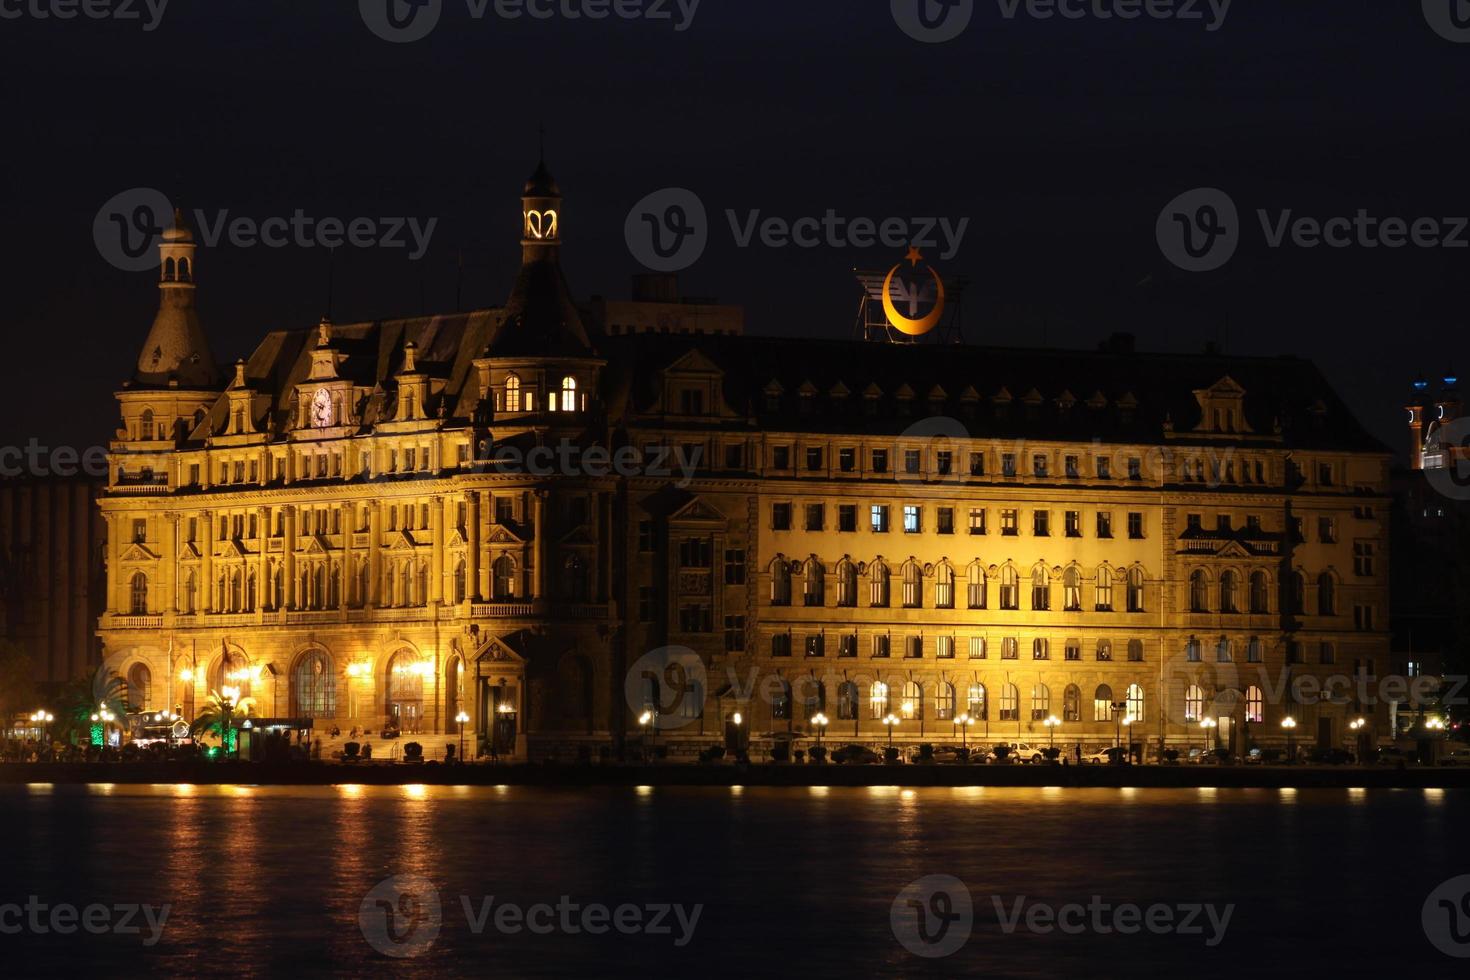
<point>913,519</point>
<point>943,646</point>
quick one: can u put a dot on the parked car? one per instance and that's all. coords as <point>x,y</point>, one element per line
<point>1455,755</point>
<point>855,755</point>
<point>1392,755</point>
<point>1021,752</point>
<point>947,753</point>
<point>1108,756</point>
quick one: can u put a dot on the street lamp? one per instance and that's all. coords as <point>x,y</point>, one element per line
<point>462,717</point>
<point>1208,726</point>
<point>1435,724</point>
<point>890,720</point>
<point>819,724</point>
<point>1051,723</point>
<point>737,719</point>
<point>1127,728</point>
<point>1289,723</point>
<point>1356,726</point>
<point>964,721</point>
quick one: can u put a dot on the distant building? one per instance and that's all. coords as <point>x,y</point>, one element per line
<point>502,512</point>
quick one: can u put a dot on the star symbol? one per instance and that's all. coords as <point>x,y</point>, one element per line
<point>914,255</point>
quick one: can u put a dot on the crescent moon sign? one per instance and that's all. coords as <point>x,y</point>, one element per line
<point>901,323</point>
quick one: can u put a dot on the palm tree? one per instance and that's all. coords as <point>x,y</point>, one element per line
<point>105,692</point>
<point>217,716</point>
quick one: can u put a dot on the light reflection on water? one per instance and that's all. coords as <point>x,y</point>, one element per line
<point>271,879</point>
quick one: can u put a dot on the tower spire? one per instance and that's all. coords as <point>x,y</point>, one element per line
<point>176,349</point>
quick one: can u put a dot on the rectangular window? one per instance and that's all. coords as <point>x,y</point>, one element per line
<point>734,634</point>
<point>912,523</point>
<point>734,457</point>
<point>880,461</point>
<point>878,518</point>
<point>691,401</point>
<point>734,566</point>
<point>912,461</point>
<point>1041,523</point>
<point>1073,650</point>
<point>847,645</point>
<point>1009,648</point>
<point>1104,524</point>
<point>1135,468</point>
<point>944,520</point>
<point>847,517</point>
<point>695,553</point>
<point>1104,468</point>
<point>1362,617</point>
<point>1008,464</point>
<point>814,458</point>
<point>695,618</point>
<point>1135,525</point>
<point>880,645</point>
<point>645,536</point>
<point>944,462</point>
<point>1010,522</point>
<point>140,531</point>
<point>977,520</point>
<point>1363,558</point>
<point>977,648</point>
<point>977,464</point>
<point>1074,524</point>
<point>816,517</point>
<point>645,603</point>
<point>847,460</point>
<point>781,457</point>
<point>781,645</point>
<point>780,517</point>
<point>1327,530</point>
<point>814,645</point>
<point>1073,467</point>
<point>1038,465</point>
<point>944,647</point>
<point>913,648</point>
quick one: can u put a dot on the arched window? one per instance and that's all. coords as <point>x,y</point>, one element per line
<point>188,600</point>
<point>1072,703</point>
<point>140,687</point>
<point>1254,651</point>
<point>1010,703</point>
<point>878,699</point>
<point>847,701</point>
<point>1135,590</point>
<point>1326,595</point>
<point>813,583</point>
<point>569,394</point>
<point>313,687</point>
<point>1135,651</point>
<point>1192,650</point>
<point>1104,589</point>
<point>145,424</point>
<point>975,586</point>
<point>1199,591</point>
<point>460,581</point>
<point>780,583</point>
<point>878,584</point>
<point>1040,649</point>
<point>168,270</point>
<point>944,586</point>
<point>1194,703</point>
<point>1227,592</point>
<point>183,270</point>
<point>781,702</point>
<point>975,702</point>
<point>846,583</point>
<point>1102,703</point>
<point>502,578</point>
<point>944,701</point>
<point>1072,590</point>
<point>405,686</point>
<point>1260,593</point>
<point>139,594</point>
<point>1224,652</point>
<point>1010,588</point>
<point>453,691</point>
<point>1296,598</point>
<point>1104,650</point>
<point>1040,589</point>
<point>512,393</point>
<point>232,670</point>
<point>912,705</point>
<point>913,585</point>
<point>1135,702</point>
<point>1254,704</point>
<point>1040,702</point>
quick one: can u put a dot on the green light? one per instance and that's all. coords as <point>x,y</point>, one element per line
<point>96,734</point>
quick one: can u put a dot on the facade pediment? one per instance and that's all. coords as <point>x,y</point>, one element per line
<point>136,552</point>
<point>697,512</point>
<point>500,534</point>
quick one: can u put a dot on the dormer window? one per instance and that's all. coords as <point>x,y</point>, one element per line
<point>691,401</point>
<point>568,394</point>
<point>512,393</point>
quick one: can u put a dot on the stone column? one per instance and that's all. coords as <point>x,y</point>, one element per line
<point>170,575</point>
<point>472,502</point>
<point>289,554</point>
<point>262,569</point>
<point>206,561</point>
<point>349,528</point>
<point>375,552</point>
<point>538,528</point>
<point>436,565</point>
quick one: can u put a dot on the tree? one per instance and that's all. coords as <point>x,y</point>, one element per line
<point>218,715</point>
<point>82,699</point>
<point>17,684</point>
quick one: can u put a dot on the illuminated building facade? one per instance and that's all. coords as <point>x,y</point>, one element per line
<point>499,513</point>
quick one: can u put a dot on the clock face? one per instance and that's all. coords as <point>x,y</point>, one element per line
<point>321,409</point>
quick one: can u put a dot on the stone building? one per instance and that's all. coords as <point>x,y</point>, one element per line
<point>513,513</point>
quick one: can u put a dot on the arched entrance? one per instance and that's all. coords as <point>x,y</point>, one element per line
<point>500,682</point>
<point>404,684</point>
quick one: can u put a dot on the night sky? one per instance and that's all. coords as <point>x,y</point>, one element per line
<point>1060,140</point>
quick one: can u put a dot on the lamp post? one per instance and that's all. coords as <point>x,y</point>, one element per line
<point>737,719</point>
<point>1289,724</point>
<point>964,721</point>
<point>1051,723</point>
<point>1356,726</point>
<point>819,724</point>
<point>1128,727</point>
<point>891,720</point>
<point>1207,727</point>
<point>462,718</point>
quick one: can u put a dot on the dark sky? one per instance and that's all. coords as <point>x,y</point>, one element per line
<point>1060,140</point>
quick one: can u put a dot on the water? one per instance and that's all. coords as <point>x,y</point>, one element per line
<point>800,882</point>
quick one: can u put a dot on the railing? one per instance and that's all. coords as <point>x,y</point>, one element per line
<point>314,616</point>
<point>136,622</point>
<point>494,609</point>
